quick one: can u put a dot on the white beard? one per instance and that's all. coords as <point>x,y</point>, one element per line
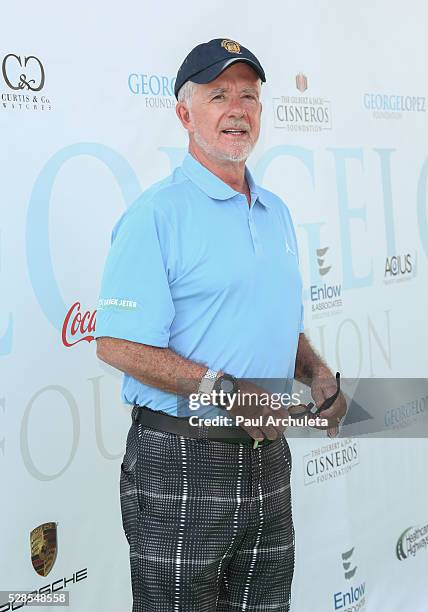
<point>241,154</point>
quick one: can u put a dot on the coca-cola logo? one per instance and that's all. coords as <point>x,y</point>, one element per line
<point>78,326</point>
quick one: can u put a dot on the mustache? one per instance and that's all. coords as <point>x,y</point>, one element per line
<point>238,125</point>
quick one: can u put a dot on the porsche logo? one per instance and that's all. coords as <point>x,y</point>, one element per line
<point>43,543</point>
<point>231,46</point>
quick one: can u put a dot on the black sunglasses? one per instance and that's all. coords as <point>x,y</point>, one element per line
<point>306,409</point>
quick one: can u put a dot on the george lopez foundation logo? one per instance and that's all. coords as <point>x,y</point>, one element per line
<point>78,326</point>
<point>24,77</point>
<point>326,299</point>
<point>156,90</point>
<point>393,106</point>
<point>302,113</point>
<point>406,414</point>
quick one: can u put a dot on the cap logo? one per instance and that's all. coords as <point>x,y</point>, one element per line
<point>231,46</point>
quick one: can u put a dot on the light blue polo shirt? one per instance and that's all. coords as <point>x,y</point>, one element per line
<point>192,267</point>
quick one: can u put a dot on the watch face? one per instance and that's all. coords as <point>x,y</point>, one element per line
<point>227,385</point>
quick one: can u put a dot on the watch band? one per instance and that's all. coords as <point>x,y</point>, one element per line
<point>206,384</point>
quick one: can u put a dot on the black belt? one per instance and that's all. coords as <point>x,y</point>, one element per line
<point>156,419</point>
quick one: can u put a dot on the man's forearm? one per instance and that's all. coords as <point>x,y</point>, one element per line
<point>308,363</point>
<point>153,366</point>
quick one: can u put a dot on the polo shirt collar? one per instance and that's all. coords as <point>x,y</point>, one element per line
<point>213,186</point>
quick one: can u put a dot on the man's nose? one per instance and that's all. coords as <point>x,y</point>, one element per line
<point>236,108</point>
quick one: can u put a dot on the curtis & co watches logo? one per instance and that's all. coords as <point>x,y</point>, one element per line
<point>25,76</point>
<point>30,65</point>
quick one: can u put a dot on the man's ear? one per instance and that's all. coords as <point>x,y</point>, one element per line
<point>183,114</point>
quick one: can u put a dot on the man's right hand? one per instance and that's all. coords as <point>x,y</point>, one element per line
<point>251,408</point>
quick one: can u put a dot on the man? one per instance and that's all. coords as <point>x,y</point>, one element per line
<point>202,290</point>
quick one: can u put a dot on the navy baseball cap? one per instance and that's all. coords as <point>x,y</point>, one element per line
<point>205,62</point>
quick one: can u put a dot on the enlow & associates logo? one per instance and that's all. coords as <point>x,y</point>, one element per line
<point>330,461</point>
<point>412,541</point>
<point>156,90</point>
<point>24,77</point>
<point>352,597</point>
<point>302,113</point>
<point>326,299</point>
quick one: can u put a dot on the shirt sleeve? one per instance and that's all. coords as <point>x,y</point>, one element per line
<point>135,301</point>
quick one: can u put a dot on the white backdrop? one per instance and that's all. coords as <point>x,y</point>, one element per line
<point>353,171</point>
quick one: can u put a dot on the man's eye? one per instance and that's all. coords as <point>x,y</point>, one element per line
<point>218,97</point>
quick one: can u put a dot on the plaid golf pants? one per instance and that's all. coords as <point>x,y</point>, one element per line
<point>209,523</point>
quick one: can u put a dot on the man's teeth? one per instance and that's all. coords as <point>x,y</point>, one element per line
<point>234,131</point>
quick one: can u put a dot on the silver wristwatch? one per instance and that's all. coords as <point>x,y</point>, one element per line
<point>207,381</point>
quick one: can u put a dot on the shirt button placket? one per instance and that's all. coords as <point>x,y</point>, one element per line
<point>253,232</point>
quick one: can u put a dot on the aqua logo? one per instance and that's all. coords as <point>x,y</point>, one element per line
<point>400,267</point>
